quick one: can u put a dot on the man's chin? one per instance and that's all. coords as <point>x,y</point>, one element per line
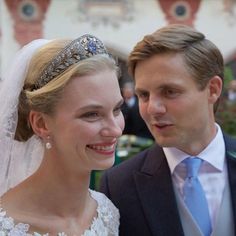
<point>163,142</point>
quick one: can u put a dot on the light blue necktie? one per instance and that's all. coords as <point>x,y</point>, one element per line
<point>194,196</point>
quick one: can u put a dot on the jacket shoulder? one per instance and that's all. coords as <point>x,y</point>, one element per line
<point>134,163</point>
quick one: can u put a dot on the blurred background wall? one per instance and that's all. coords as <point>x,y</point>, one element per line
<point>120,24</point>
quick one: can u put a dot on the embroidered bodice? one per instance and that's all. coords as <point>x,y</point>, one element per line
<point>105,224</point>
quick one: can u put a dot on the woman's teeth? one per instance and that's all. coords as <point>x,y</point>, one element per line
<point>102,148</point>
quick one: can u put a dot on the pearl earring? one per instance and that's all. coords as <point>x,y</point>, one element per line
<point>48,144</point>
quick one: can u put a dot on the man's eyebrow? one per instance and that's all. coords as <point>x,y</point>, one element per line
<point>138,90</point>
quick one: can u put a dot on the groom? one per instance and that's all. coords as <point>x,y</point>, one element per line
<point>178,76</point>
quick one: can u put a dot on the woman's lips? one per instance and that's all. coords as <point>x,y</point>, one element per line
<point>104,148</point>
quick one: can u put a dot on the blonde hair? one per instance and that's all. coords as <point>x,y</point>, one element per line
<point>45,98</point>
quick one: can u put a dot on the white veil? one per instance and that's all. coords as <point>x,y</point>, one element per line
<point>17,159</point>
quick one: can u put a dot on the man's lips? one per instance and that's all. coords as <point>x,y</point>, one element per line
<point>162,125</point>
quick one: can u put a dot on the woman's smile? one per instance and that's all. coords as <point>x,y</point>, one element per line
<point>103,148</point>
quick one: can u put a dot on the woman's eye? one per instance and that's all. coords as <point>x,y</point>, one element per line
<point>91,115</point>
<point>117,111</point>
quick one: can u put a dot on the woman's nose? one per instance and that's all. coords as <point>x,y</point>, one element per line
<point>114,127</point>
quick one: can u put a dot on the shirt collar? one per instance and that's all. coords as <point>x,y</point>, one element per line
<point>214,153</point>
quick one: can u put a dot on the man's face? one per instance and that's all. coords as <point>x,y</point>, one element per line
<point>176,111</point>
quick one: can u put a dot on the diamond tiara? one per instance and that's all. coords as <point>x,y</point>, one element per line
<point>79,49</point>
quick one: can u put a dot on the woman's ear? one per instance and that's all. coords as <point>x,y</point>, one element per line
<point>39,124</point>
<point>215,87</point>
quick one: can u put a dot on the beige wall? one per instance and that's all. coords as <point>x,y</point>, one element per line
<point>63,19</point>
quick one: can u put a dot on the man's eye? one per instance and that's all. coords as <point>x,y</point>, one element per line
<point>171,93</point>
<point>143,95</point>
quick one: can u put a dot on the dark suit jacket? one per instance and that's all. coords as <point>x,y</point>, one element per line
<point>142,190</point>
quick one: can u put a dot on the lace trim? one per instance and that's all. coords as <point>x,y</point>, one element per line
<point>106,223</point>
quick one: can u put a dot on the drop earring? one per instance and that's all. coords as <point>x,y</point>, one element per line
<point>48,144</point>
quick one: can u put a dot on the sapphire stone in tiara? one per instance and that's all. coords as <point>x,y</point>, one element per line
<point>92,47</point>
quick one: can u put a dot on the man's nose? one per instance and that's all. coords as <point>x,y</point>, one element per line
<point>156,106</point>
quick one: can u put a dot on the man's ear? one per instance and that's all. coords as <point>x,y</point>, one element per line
<point>38,121</point>
<point>215,86</point>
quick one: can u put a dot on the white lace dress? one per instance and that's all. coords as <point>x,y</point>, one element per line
<point>105,224</point>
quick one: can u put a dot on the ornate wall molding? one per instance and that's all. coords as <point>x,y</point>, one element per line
<point>180,11</point>
<point>28,16</point>
<point>105,12</point>
<point>229,6</point>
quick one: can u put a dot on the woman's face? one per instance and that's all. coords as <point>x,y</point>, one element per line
<point>87,122</point>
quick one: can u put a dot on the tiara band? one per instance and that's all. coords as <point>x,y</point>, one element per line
<point>79,49</point>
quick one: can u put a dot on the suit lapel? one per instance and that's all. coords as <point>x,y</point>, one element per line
<point>155,191</point>
<point>230,145</point>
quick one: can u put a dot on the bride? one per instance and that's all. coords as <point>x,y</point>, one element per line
<point>60,118</point>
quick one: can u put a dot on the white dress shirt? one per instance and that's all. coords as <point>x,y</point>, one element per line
<point>212,173</point>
